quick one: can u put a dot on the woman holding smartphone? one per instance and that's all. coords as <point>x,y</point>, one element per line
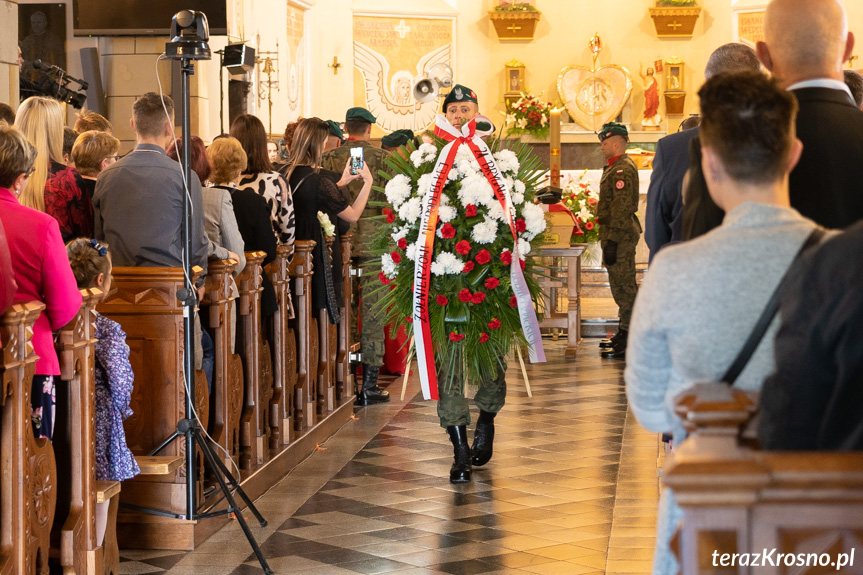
<point>312,194</point>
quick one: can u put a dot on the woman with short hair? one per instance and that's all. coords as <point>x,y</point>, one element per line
<point>40,267</point>
<point>93,152</point>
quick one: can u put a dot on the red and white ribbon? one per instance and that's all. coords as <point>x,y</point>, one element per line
<point>425,252</point>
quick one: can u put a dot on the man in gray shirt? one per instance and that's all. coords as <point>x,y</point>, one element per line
<point>138,202</point>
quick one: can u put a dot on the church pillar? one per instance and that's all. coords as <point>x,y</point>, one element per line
<point>9,52</point>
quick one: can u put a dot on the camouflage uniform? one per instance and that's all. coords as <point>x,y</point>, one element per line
<point>618,202</point>
<point>452,407</point>
<point>372,337</point>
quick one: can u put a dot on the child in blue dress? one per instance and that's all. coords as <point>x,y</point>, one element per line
<point>91,265</point>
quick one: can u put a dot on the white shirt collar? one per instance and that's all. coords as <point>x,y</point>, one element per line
<point>823,83</point>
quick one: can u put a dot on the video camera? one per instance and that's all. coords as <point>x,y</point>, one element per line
<point>54,82</point>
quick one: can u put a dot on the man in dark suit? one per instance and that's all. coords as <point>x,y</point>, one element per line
<point>805,44</point>
<point>664,215</point>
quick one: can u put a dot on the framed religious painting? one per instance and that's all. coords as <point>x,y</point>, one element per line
<point>42,36</point>
<point>515,81</point>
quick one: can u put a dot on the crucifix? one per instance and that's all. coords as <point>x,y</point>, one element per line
<point>675,25</point>
<point>514,28</point>
<point>335,65</point>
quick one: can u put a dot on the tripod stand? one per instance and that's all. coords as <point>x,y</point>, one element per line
<point>190,33</point>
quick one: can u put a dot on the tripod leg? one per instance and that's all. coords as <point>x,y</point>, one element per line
<point>246,500</point>
<point>214,463</point>
<point>165,443</point>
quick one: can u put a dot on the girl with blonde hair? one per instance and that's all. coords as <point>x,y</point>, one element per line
<point>54,188</point>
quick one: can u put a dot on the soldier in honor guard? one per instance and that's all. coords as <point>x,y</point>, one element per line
<point>358,124</point>
<point>619,229</point>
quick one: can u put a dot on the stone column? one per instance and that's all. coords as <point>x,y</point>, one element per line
<point>9,52</point>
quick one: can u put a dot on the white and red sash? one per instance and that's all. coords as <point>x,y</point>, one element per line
<point>425,252</point>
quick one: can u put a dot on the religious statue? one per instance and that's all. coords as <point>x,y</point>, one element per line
<point>652,119</point>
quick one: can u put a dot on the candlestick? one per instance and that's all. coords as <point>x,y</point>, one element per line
<point>554,156</point>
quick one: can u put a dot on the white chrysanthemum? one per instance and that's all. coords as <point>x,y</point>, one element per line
<point>446,263</point>
<point>523,248</point>
<point>399,233</point>
<point>424,185</point>
<point>507,161</point>
<point>446,213</point>
<point>495,212</point>
<point>484,232</point>
<point>411,252</point>
<point>388,266</point>
<point>410,210</point>
<point>398,190</point>
<point>517,198</point>
<point>518,187</point>
<point>534,219</point>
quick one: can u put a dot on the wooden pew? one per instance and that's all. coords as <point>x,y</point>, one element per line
<point>327,354</point>
<point>28,490</point>
<point>344,376</point>
<point>306,335</point>
<point>145,304</point>
<point>737,499</point>
<point>74,442</point>
<point>284,352</point>
<point>257,362</point>
<point>228,373</point>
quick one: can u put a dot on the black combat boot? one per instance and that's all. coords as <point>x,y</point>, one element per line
<point>609,342</point>
<point>483,438</point>
<point>371,393</point>
<point>460,470</point>
<point>618,351</point>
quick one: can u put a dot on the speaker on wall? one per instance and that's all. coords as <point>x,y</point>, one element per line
<point>93,76</point>
<point>239,58</point>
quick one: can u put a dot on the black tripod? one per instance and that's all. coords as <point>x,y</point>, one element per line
<point>190,32</point>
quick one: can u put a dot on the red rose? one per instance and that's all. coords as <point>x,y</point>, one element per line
<point>453,336</point>
<point>464,295</point>
<point>589,226</point>
<point>483,337</point>
<point>492,283</point>
<point>403,244</point>
<point>384,279</point>
<point>534,117</point>
<point>391,217</point>
<point>513,301</point>
<point>483,257</point>
<point>478,297</point>
<point>470,210</point>
<point>409,319</point>
<point>447,231</point>
<point>506,257</point>
<point>520,225</point>
<point>494,323</point>
<point>463,247</point>
<point>467,267</point>
<point>591,201</point>
<point>441,300</point>
<point>397,257</point>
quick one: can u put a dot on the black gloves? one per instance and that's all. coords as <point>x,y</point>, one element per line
<point>609,253</point>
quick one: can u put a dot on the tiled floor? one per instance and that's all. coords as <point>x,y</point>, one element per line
<point>572,489</point>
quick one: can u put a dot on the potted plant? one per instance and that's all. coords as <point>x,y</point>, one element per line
<point>515,20</point>
<point>675,18</point>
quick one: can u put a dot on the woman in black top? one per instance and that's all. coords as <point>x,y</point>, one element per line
<point>228,161</point>
<point>313,193</point>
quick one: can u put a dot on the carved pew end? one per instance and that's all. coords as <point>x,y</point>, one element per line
<point>107,492</point>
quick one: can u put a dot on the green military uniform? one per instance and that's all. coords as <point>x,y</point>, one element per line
<point>452,407</point>
<point>618,202</point>
<point>372,337</point>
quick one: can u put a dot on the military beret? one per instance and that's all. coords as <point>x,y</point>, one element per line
<point>397,138</point>
<point>335,130</point>
<point>360,114</point>
<point>484,127</point>
<point>610,129</point>
<point>459,93</point>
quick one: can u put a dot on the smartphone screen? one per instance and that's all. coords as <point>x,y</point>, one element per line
<point>356,160</point>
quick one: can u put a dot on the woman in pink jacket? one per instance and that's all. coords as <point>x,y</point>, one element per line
<point>41,270</point>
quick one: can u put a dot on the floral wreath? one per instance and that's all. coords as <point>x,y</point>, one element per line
<point>473,312</point>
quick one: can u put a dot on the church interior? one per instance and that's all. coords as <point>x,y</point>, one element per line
<point>341,485</point>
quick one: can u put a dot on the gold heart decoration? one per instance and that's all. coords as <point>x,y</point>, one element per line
<point>594,97</point>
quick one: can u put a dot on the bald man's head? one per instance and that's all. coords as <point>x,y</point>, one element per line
<point>805,39</point>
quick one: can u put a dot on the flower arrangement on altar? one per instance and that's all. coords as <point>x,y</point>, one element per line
<point>582,200</point>
<point>528,115</point>
<point>472,307</point>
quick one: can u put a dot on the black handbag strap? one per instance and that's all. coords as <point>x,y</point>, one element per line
<point>767,315</point>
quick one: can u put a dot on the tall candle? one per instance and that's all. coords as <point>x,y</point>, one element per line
<point>554,163</point>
